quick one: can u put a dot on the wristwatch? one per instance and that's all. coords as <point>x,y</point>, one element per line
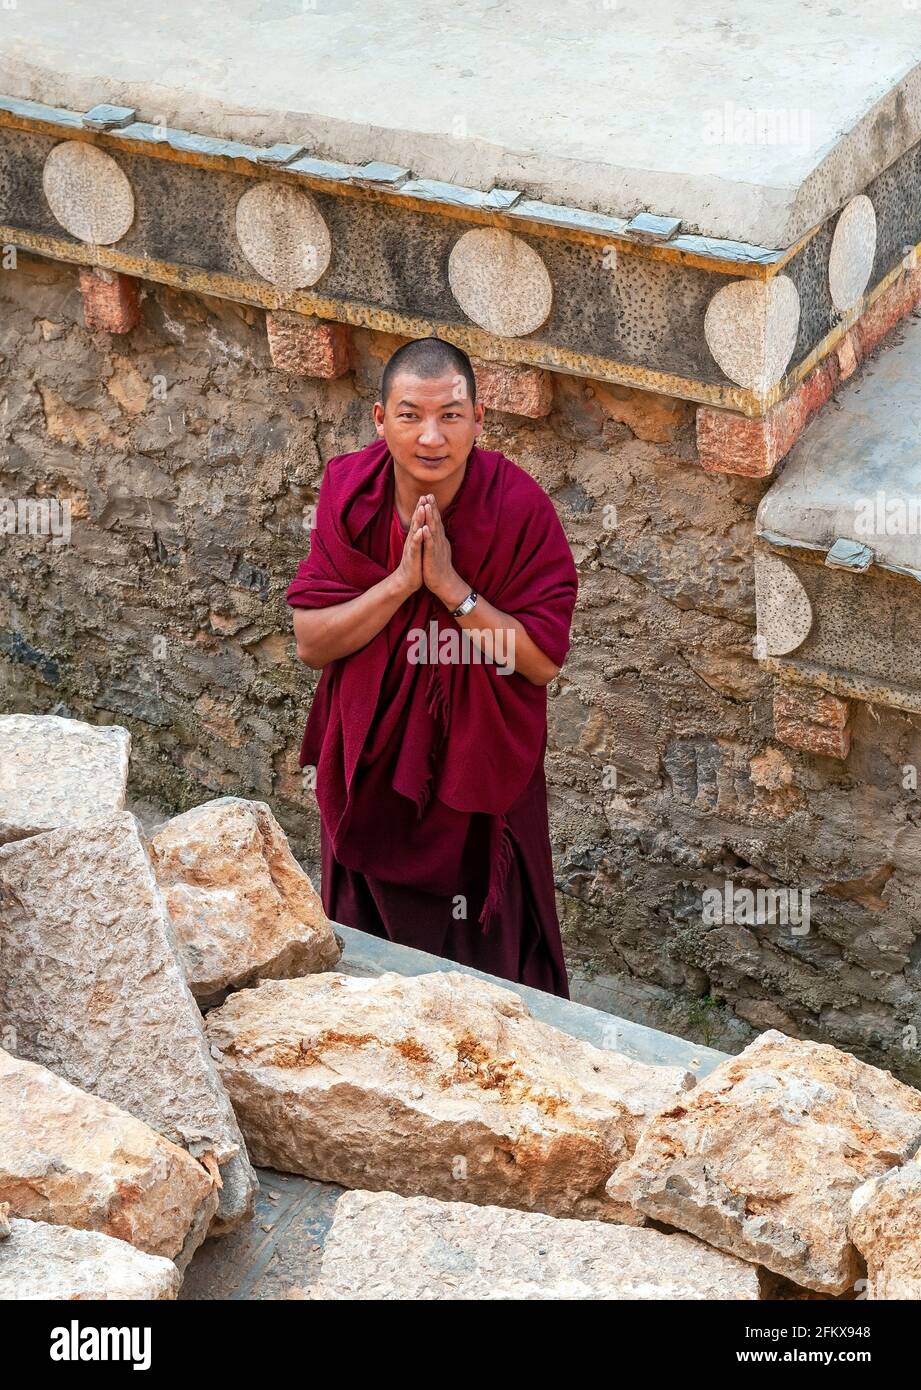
<point>465,606</point>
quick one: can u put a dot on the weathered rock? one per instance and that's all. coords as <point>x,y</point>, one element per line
<point>91,983</point>
<point>70,1159</point>
<point>885,1225</point>
<point>762,1158</point>
<point>240,903</point>
<point>39,1261</point>
<point>439,1084</point>
<point>58,771</point>
<point>382,1246</point>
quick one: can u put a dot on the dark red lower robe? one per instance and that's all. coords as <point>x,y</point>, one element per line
<point>430,777</point>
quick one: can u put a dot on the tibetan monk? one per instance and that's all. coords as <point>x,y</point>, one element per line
<point>437,600</point>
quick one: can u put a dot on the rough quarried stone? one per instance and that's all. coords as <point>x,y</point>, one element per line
<point>382,1246</point>
<point>57,771</point>
<point>68,1158</point>
<point>812,721</point>
<point>91,982</point>
<point>436,1084</point>
<point>307,347</point>
<point>762,1159</point>
<point>885,1226</point>
<point>40,1262</point>
<point>240,903</point>
<point>110,301</point>
<point>515,390</point>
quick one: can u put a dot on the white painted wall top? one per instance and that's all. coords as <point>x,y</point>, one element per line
<point>748,120</point>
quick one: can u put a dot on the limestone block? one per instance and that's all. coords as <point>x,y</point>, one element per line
<point>241,905</point>
<point>382,1246</point>
<point>70,1159</point>
<point>762,1158</point>
<point>91,984</point>
<point>438,1084</point>
<point>54,1262</point>
<point>885,1226</point>
<point>58,771</point>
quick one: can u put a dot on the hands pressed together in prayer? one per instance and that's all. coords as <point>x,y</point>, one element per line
<point>327,634</point>
<point>426,556</point>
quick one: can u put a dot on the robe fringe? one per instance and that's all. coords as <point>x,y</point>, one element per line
<point>501,851</point>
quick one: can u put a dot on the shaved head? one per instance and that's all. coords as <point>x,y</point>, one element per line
<point>428,358</point>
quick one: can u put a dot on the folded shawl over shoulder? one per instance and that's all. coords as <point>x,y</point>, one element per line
<point>412,758</point>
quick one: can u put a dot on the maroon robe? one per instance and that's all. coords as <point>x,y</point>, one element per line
<point>430,777</point>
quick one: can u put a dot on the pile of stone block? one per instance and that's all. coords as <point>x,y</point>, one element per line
<point>113,1117</point>
<point>170,1013</point>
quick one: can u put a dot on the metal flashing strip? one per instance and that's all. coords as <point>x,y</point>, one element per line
<point>733,256</point>
<point>780,542</point>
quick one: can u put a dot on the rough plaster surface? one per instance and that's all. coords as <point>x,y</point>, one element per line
<point>382,1246</point>
<point>189,462</point>
<point>520,96</point>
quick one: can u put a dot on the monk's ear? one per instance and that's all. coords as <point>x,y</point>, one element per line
<point>479,411</point>
<point>379,418</point>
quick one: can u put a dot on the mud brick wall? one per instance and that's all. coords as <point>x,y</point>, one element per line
<point>188,461</point>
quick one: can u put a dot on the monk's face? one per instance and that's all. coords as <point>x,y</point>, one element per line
<point>430,424</point>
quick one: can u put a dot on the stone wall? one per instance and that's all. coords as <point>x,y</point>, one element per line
<point>189,461</point>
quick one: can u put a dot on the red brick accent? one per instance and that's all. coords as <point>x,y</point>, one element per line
<point>731,443</point>
<point>110,300</point>
<point>515,390</point>
<point>307,346</point>
<point>812,721</point>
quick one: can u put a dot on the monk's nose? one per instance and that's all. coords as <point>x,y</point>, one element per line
<point>431,433</point>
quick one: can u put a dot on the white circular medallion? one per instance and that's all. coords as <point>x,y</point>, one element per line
<point>88,192</point>
<point>501,284</point>
<point>784,613</point>
<point>853,250</point>
<point>283,235</point>
<point>751,327</point>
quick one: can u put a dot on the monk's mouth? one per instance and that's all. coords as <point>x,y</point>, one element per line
<point>432,463</point>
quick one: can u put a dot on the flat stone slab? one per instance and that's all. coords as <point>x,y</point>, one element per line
<point>382,1246</point>
<point>58,772</point>
<point>91,984</point>
<point>38,1261</point>
<point>438,1084</point>
<point>70,1159</point>
<point>885,1225</point>
<point>241,905</point>
<point>856,472</point>
<point>762,1158</point>
<point>758,140</point>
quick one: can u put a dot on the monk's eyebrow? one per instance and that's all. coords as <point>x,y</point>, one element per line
<point>448,405</point>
